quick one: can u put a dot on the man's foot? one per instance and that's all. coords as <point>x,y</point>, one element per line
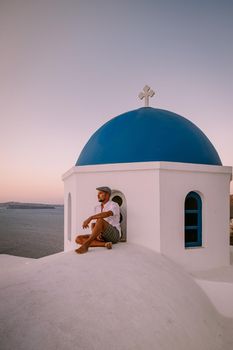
<point>108,245</point>
<point>81,250</point>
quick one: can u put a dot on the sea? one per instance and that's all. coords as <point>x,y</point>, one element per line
<point>31,233</point>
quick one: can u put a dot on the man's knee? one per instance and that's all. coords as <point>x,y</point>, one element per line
<point>100,221</point>
<point>77,239</point>
<point>80,238</point>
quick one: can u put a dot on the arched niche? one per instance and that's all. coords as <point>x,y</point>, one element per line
<point>118,197</point>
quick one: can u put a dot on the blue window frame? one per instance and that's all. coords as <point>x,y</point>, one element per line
<point>193,220</point>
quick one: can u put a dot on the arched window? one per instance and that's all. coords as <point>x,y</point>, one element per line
<point>69,218</point>
<point>193,220</point>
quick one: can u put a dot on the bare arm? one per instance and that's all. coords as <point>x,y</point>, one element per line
<point>102,215</point>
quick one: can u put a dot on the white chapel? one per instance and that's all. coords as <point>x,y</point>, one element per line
<point>168,179</point>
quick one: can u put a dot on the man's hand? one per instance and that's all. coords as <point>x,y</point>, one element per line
<point>86,223</point>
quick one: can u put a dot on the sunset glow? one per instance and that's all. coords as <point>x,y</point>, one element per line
<point>68,67</point>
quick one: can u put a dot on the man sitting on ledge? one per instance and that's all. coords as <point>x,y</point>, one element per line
<point>106,230</point>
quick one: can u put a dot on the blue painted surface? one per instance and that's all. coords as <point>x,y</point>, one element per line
<point>148,134</point>
<point>198,225</point>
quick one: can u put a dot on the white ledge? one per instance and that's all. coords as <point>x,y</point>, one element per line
<point>172,166</point>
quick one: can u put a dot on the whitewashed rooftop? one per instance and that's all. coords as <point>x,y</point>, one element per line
<point>127,298</point>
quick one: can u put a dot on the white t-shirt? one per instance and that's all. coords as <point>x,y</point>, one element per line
<point>113,220</point>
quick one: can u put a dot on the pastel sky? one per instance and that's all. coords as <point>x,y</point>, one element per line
<point>68,66</point>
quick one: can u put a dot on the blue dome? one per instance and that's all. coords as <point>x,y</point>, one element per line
<point>148,134</point>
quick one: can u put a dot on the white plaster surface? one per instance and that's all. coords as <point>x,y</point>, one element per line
<point>9,262</point>
<point>155,194</point>
<point>213,188</point>
<point>218,285</point>
<point>220,293</point>
<point>126,298</point>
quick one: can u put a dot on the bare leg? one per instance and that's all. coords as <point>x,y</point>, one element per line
<point>81,238</point>
<point>95,243</point>
<point>100,226</point>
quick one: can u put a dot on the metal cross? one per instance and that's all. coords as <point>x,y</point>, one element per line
<point>146,93</point>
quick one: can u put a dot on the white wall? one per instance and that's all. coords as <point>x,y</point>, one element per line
<point>139,188</point>
<point>213,185</point>
<point>139,184</point>
<point>155,194</point>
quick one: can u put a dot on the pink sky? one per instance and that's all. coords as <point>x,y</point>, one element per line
<point>66,68</point>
